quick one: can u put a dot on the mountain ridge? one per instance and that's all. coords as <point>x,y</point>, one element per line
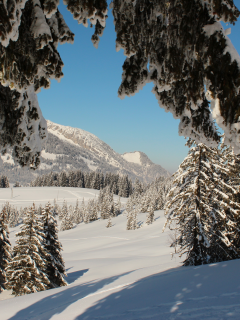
<point>69,148</point>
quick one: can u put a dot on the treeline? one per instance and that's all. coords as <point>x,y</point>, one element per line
<point>119,185</point>
<point>35,262</point>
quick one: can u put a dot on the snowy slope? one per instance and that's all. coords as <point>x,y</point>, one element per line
<point>115,274</point>
<point>70,148</point>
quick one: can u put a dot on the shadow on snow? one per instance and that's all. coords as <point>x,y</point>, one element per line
<point>56,303</point>
<point>203,292</point>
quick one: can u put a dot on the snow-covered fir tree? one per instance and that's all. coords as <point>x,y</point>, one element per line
<point>5,249</point>
<point>117,207</point>
<point>4,182</point>
<point>199,207</point>
<point>132,211</point>
<point>107,206</point>
<point>26,273</point>
<point>92,209</point>
<point>138,187</point>
<point>230,199</point>
<point>55,268</point>
<point>64,210</point>
<point>85,212</point>
<point>132,222</point>
<point>17,184</point>
<point>13,217</point>
<point>66,223</point>
<point>150,215</point>
<point>77,214</point>
<point>109,222</point>
<point>55,209</point>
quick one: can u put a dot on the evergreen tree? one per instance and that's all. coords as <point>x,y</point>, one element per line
<point>55,208</point>
<point>92,209</point>
<point>63,180</point>
<point>13,218</point>
<point>86,212</point>
<point>138,188</point>
<point>66,223</point>
<point>5,249</point>
<point>107,204</point>
<point>26,272</point>
<point>109,223</point>
<point>71,179</point>
<point>132,211</point>
<point>117,207</point>
<point>64,210</point>
<point>132,222</point>
<point>78,216</point>
<point>17,185</point>
<point>4,183</point>
<point>230,200</point>
<point>197,204</point>
<point>150,211</point>
<point>55,269</point>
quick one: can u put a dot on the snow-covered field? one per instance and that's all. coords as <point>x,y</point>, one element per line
<point>115,274</point>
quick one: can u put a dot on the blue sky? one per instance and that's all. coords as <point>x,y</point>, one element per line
<point>87,98</point>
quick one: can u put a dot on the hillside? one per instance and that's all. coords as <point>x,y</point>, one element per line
<point>70,148</point>
<point>115,274</point>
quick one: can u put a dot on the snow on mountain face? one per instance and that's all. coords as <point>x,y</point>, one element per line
<point>84,139</point>
<point>138,157</point>
<point>134,157</point>
<point>70,148</point>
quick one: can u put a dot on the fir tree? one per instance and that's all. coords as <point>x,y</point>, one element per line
<point>5,249</point>
<point>138,188</point>
<point>150,216</point>
<point>197,204</point>
<point>64,210</point>
<point>78,215</point>
<point>17,185</point>
<point>117,207</point>
<point>66,223</point>
<point>13,218</point>
<point>93,210</point>
<point>55,268</point>
<point>132,222</point>
<point>26,272</point>
<point>109,223</point>
<point>4,182</point>
<point>55,208</point>
<point>132,210</point>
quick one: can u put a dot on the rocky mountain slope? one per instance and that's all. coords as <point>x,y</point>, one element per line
<point>70,148</point>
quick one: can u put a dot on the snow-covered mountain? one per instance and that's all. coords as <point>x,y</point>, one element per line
<point>70,148</point>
